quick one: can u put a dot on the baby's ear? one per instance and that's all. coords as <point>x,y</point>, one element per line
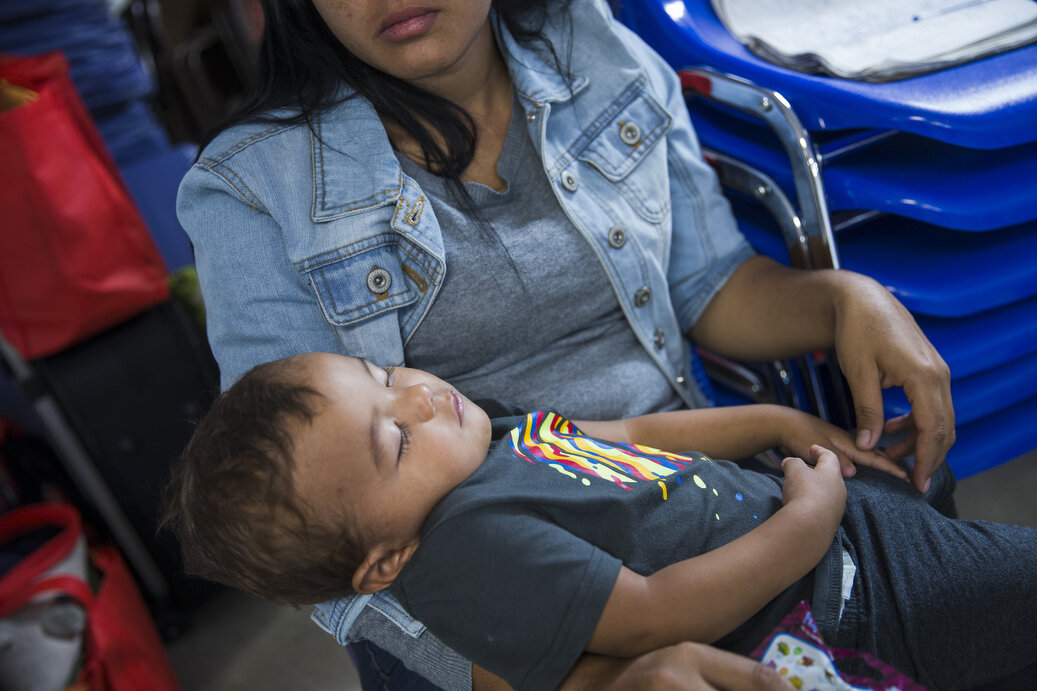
<point>381,566</point>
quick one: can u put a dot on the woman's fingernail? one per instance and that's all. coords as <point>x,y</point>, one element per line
<point>863,437</point>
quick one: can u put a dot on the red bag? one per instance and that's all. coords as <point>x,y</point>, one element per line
<point>75,254</point>
<point>123,651</point>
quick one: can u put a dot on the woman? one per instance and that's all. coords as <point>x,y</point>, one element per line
<point>512,198</point>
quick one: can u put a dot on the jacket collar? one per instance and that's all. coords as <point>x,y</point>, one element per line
<point>354,167</point>
<point>533,77</point>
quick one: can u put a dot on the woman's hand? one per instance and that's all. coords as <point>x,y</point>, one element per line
<point>820,489</point>
<point>879,346</point>
<point>696,667</point>
<point>766,311</point>
<point>798,431</point>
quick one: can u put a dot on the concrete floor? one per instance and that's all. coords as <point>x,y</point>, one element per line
<point>239,642</point>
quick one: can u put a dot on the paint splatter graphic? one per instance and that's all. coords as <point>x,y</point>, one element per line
<point>551,439</point>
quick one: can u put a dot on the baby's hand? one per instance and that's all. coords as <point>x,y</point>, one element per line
<point>800,430</point>
<point>819,488</point>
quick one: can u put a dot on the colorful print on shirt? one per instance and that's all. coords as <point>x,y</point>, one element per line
<point>551,439</point>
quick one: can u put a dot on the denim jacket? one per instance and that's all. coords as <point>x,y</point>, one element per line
<point>309,242</point>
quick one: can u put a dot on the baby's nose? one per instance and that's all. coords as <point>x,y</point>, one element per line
<point>422,400</point>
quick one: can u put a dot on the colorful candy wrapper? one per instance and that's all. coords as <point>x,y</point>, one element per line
<point>795,648</point>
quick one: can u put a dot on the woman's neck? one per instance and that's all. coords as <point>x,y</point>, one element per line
<point>480,84</point>
<point>478,81</point>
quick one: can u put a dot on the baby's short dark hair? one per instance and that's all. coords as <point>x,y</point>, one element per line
<point>232,503</point>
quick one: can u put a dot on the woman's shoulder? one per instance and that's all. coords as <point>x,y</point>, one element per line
<point>597,32</point>
<point>239,137</point>
<point>273,132</point>
<point>346,142</point>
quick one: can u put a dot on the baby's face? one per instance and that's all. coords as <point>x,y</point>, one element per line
<point>385,446</point>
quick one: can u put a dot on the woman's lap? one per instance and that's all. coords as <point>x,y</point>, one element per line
<point>951,602</point>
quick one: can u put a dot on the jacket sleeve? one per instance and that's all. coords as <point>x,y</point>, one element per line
<point>258,306</point>
<point>706,245</point>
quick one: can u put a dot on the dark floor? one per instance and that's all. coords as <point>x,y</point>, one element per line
<point>239,642</point>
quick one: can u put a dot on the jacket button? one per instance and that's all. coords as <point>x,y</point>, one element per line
<point>642,295</point>
<point>630,133</point>
<point>617,237</point>
<point>569,181</point>
<point>378,280</point>
<point>660,338</point>
<point>681,379</point>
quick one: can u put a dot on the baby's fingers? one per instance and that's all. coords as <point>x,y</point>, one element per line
<point>826,461</point>
<point>879,461</point>
<point>820,455</point>
<point>846,465</point>
<point>792,464</point>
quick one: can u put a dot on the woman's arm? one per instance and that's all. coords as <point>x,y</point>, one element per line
<point>756,309</point>
<point>681,667</point>
<point>258,307</point>
<point>703,598</point>
<point>762,310</point>
<point>766,311</point>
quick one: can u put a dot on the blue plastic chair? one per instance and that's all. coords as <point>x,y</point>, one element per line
<point>987,104</point>
<point>973,272</point>
<point>992,384</point>
<point>984,393</point>
<point>907,175</point>
<point>986,442</point>
<point>974,294</point>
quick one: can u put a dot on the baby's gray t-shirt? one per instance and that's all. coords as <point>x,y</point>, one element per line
<point>516,564</point>
<point>556,337</point>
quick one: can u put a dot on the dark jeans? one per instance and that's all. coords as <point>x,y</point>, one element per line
<point>951,603</point>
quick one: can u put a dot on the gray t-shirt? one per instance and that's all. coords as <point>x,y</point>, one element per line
<point>557,336</point>
<point>516,564</point>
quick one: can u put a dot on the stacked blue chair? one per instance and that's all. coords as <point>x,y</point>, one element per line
<point>930,187</point>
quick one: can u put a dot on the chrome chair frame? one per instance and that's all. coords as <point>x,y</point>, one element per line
<point>808,234</point>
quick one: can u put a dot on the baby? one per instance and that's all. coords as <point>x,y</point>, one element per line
<point>524,541</point>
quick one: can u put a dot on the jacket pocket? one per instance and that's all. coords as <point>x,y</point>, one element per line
<point>629,151</point>
<point>359,280</point>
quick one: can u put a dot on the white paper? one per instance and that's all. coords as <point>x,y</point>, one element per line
<point>878,39</point>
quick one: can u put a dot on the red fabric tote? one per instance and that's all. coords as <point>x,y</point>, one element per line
<point>123,651</point>
<point>75,254</point>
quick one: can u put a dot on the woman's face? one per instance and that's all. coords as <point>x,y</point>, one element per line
<point>413,40</point>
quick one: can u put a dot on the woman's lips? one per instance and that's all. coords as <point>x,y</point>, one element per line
<point>408,23</point>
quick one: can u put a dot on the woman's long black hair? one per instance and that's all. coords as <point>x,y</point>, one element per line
<point>302,66</point>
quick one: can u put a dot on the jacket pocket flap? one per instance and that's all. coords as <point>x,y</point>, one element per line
<point>354,283</point>
<point>627,137</point>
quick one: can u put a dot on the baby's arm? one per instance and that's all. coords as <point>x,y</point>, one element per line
<point>740,432</point>
<point>703,598</point>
